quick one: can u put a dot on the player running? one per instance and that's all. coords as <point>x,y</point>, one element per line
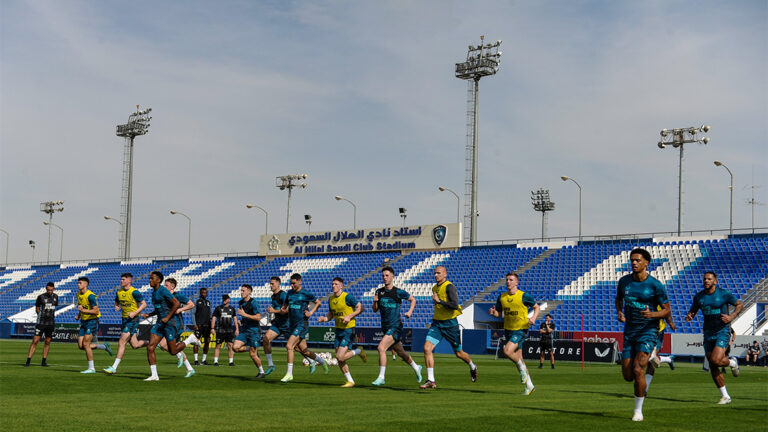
<point>713,302</point>
<point>295,305</point>
<point>637,295</point>
<point>387,301</point>
<point>343,308</point>
<point>279,324</point>
<point>185,305</point>
<point>202,324</point>
<point>514,304</point>
<point>656,359</point>
<point>130,302</point>
<point>88,314</point>
<point>250,332</point>
<point>225,326</point>
<point>444,325</point>
<point>45,308</point>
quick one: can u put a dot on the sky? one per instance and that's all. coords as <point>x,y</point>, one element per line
<point>362,97</point>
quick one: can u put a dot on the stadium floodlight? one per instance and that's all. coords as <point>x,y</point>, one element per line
<point>289,182</point>
<point>566,178</point>
<point>458,201</point>
<point>541,203</point>
<point>32,245</point>
<point>61,245</point>
<point>266,216</point>
<point>308,221</point>
<point>7,240</point>
<point>403,214</point>
<point>51,207</point>
<point>354,210</point>
<point>730,224</point>
<point>482,60</point>
<point>138,124</point>
<point>189,234</point>
<point>677,138</point>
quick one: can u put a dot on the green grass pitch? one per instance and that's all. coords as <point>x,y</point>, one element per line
<point>59,398</point>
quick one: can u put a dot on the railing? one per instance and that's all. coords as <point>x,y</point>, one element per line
<point>757,322</point>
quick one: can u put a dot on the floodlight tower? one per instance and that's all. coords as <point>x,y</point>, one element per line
<point>482,60</point>
<point>51,207</point>
<point>138,124</point>
<point>677,138</point>
<point>541,203</point>
<point>289,182</point>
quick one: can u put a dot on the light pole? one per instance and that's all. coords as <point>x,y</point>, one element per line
<point>677,138</point>
<point>32,245</point>
<point>189,235</point>
<point>718,163</point>
<point>138,124</point>
<point>51,207</point>
<point>266,216</point>
<point>458,201</point>
<point>541,203</point>
<point>7,240</point>
<point>120,249</point>
<point>61,245</point>
<point>308,221</point>
<point>354,210</point>
<point>403,214</point>
<point>566,178</point>
<point>289,182</point>
<point>482,60</point>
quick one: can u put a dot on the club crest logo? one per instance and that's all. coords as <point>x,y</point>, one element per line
<point>438,234</point>
<point>273,243</point>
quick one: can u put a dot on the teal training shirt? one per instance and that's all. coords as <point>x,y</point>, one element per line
<point>712,305</point>
<point>389,306</point>
<point>639,296</point>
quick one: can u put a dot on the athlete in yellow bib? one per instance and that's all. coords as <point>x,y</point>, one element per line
<point>130,301</point>
<point>444,325</point>
<point>343,307</point>
<point>514,304</point>
<point>88,314</point>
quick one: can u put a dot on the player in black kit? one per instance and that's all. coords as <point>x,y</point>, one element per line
<point>202,316</point>
<point>225,326</point>
<point>45,308</point>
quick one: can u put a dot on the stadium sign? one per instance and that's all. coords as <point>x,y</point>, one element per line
<point>441,236</point>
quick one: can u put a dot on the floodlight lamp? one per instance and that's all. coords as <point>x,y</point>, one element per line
<point>718,163</point>
<point>705,140</point>
<point>664,132</point>
<point>338,198</point>
<point>564,178</point>
<point>173,212</point>
<point>303,185</point>
<point>705,128</point>
<point>307,217</point>
<point>32,243</point>
<point>402,210</point>
<point>441,189</point>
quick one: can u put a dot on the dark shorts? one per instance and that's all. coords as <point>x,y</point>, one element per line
<point>225,337</point>
<point>131,325</point>
<point>344,337</point>
<point>167,330</point>
<point>516,337</point>
<point>395,332</point>
<point>546,345</point>
<point>44,330</point>
<point>203,333</point>
<point>448,329</point>
<point>89,327</point>
<point>300,330</point>
<point>250,337</point>
<point>643,341</point>
<point>283,330</point>
<point>720,339</point>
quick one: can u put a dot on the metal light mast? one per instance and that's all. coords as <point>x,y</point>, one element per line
<point>289,182</point>
<point>541,203</point>
<point>138,124</point>
<point>51,207</point>
<point>482,60</point>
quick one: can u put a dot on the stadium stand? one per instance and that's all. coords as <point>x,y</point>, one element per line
<point>579,278</point>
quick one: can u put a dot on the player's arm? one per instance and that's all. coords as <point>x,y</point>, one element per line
<point>142,304</point>
<point>736,311</point>
<point>174,306</point>
<point>117,303</point>
<point>495,310</point>
<point>358,310</point>
<point>692,311</point>
<point>664,313</point>
<point>188,306</point>
<point>38,304</point>
<point>254,317</point>
<point>237,325</point>
<point>327,317</point>
<point>453,298</point>
<point>310,312</point>
<point>375,304</point>
<point>93,310</point>
<point>412,301</point>
<point>536,310</point>
<point>213,324</point>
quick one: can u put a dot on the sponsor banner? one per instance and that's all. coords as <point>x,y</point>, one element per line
<point>693,344</point>
<point>365,335</point>
<point>442,236</point>
<point>564,349</point>
<point>68,332</point>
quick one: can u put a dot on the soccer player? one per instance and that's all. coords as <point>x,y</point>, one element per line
<point>250,332</point>
<point>202,324</point>
<point>514,304</point>
<point>130,301</point>
<point>166,326</point>
<point>279,325</point>
<point>656,359</point>
<point>224,326</point>
<point>45,308</point>
<point>387,301</point>
<point>713,302</point>
<point>444,325</point>
<point>295,305</point>
<point>343,308</point>
<point>637,296</point>
<point>185,305</point>
<point>88,314</point>
<point>546,329</point>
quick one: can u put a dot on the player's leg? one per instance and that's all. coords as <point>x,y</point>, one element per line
<point>239,345</point>
<point>32,347</point>
<point>124,338</point>
<point>85,345</point>
<point>46,349</point>
<point>269,336</point>
<point>231,352</point>
<point>452,334</point>
<point>386,342</point>
<point>154,340</point>
<point>650,370</point>
<point>717,376</point>
<point>542,348</point>
<point>217,350</point>
<point>626,359</point>
<point>254,353</point>
<point>343,352</point>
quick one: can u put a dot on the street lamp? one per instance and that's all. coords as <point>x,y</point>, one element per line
<point>7,240</point>
<point>354,212</point>
<point>189,235</point>
<point>718,163</point>
<point>677,138</point>
<point>482,60</point>
<point>51,207</point>
<point>566,178</point>
<point>32,245</point>
<point>458,201</point>
<point>266,216</point>
<point>61,246</point>
<point>289,182</point>
<point>138,124</point>
<point>403,214</point>
<point>120,248</point>
<point>308,220</point>
<point>541,203</point>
